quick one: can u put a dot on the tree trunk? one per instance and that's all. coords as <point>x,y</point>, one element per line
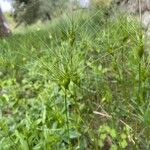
<point>4,29</point>
<point>137,7</point>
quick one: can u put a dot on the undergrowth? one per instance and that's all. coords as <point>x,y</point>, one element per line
<point>81,83</point>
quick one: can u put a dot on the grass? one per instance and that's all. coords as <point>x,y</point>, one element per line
<point>81,82</point>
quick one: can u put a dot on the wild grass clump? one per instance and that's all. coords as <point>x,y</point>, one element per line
<point>81,83</point>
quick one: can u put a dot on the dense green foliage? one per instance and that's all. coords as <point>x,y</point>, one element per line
<point>82,82</point>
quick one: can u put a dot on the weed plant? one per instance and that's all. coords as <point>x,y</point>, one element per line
<point>82,82</point>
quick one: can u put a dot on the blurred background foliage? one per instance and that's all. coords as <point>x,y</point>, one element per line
<point>29,11</point>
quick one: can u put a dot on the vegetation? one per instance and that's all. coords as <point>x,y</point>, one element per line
<point>29,11</point>
<point>82,82</point>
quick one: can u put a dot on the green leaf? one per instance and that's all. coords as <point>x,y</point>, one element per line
<point>44,114</point>
<point>113,147</point>
<point>23,142</point>
<point>113,133</point>
<point>123,144</point>
<point>123,136</point>
<point>74,134</point>
<point>103,136</point>
<point>107,129</point>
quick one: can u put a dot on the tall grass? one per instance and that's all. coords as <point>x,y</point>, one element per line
<point>81,83</point>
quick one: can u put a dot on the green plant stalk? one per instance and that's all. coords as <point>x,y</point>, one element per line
<point>139,67</point>
<point>77,111</point>
<point>124,78</point>
<point>139,83</point>
<point>67,119</point>
<point>117,67</point>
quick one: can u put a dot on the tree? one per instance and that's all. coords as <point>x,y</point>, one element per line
<point>29,11</point>
<point>135,5</point>
<point>4,29</point>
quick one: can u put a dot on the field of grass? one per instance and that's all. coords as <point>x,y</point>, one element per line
<point>81,82</point>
